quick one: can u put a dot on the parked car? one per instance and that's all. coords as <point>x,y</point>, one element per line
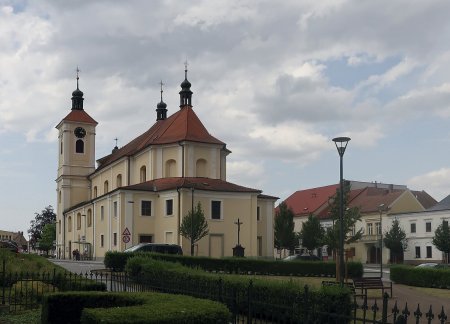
<point>156,248</point>
<point>427,265</point>
<point>304,257</point>
<point>10,246</point>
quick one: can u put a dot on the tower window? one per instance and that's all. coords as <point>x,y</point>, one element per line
<point>119,181</point>
<point>143,174</point>
<point>95,192</point>
<point>79,146</point>
<point>105,186</point>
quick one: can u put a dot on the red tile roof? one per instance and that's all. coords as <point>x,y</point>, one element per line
<point>184,125</point>
<point>206,184</point>
<point>304,202</point>
<point>79,116</point>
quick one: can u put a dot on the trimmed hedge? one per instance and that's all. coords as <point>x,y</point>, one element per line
<point>117,261</point>
<point>421,277</point>
<point>268,297</point>
<point>96,307</point>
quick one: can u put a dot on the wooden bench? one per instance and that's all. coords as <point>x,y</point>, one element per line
<point>371,283</point>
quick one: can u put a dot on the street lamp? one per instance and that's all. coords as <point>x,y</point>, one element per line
<point>381,207</point>
<point>341,145</point>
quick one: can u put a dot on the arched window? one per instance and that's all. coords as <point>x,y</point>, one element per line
<point>119,181</point>
<point>78,221</point>
<point>79,146</point>
<point>200,168</point>
<point>95,192</point>
<point>105,186</point>
<point>143,174</point>
<point>89,218</point>
<point>69,224</point>
<point>171,168</point>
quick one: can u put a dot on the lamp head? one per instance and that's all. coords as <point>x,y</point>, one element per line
<point>341,144</point>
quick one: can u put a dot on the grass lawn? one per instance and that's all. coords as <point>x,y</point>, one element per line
<point>24,317</point>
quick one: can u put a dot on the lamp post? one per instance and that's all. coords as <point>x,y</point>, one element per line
<point>380,208</point>
<point>192,221</point>
<point>341,145</point>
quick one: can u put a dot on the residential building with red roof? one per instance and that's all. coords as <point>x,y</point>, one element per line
<point>142,191</point>
<point>376,202</point>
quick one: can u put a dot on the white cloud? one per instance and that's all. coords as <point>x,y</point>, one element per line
<point>437,183</point>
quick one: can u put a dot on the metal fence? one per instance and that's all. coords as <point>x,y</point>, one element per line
<point>24,291</point>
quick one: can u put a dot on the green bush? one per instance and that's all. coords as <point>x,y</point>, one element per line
<point>421,277</point>
<point>268,296</point>
<point>95,307</point>
<point>117,261</point>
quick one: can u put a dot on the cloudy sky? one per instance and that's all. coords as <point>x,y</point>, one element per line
<point>275,80</point>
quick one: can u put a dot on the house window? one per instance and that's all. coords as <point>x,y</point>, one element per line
<point>169,207</point>
<point>369,229</point>
<point>115,239</point>
<point>216,209</point>
<point>102,240</point>
<point>258,214</point>
<point>145,238</point>
<point>102,213</point>
<point>89,218</point>
<point>428,227</point>
<point>417,252</point>
<point>378,228</point>
<point>78,221</point>
<point>143,174</point>
<point>429,252</point>
<point>413,227</point>
<point>115,209</point>
<point>146,208</point>
<point>79,146</point>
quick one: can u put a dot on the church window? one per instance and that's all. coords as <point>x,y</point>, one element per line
<point>258,213</point>
<point>102,240</point>
<point>143,174</point>
<point>61,149</point>
<point>171,166</point>
<point>169,207</point>
<point>119,181</point>
<point>146,208</point>
<point>114,239</point>
<point>115,209</point>
<point>105,186</point>
<point>89,218</point>
<point>69,224</point>
<point>78,221</point>
<point>59,197</point>
<point>201,168</point>
<point>216,209</point>
<point>102,213</point>
<point>95,192</point>
<point>79,146</point>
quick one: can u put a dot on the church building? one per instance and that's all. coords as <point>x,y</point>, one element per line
<point>141,191</point>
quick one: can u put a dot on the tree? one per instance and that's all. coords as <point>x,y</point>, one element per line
<point>350,218</point>
<point>285,237</point>
<point>441,239</point>
<point>395,240</point>
<point>312,233</point>
<point>47,216</point>
<point>48,237</point>
<point>199,228</point>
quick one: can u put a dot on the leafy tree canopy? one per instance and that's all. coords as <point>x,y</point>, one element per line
<point>441,238</point>
<point>48,237</point>
<point>285,237</point>
<point>47,216</point>
<point>395,239</point>
<point>199,228</point>
<point>312,233</point>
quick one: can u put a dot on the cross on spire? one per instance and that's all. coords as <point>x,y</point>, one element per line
<point>78,77</point>
<point>116,139</point>
<point>161,84</point>
<point>185,68</point>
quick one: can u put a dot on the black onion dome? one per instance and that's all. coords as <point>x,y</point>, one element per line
<point>185,84</point>
<point>77,93</point>
<point>161,105</point>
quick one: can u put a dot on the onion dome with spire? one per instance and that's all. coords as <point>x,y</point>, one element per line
<point>161,107</point>
<point>185,93</point>
<point>77,96</point>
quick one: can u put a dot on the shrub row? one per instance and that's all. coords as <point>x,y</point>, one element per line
<point>117,261</point>
<point>421,277</point>
<point>97,307</point>
<point>267,297</point>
